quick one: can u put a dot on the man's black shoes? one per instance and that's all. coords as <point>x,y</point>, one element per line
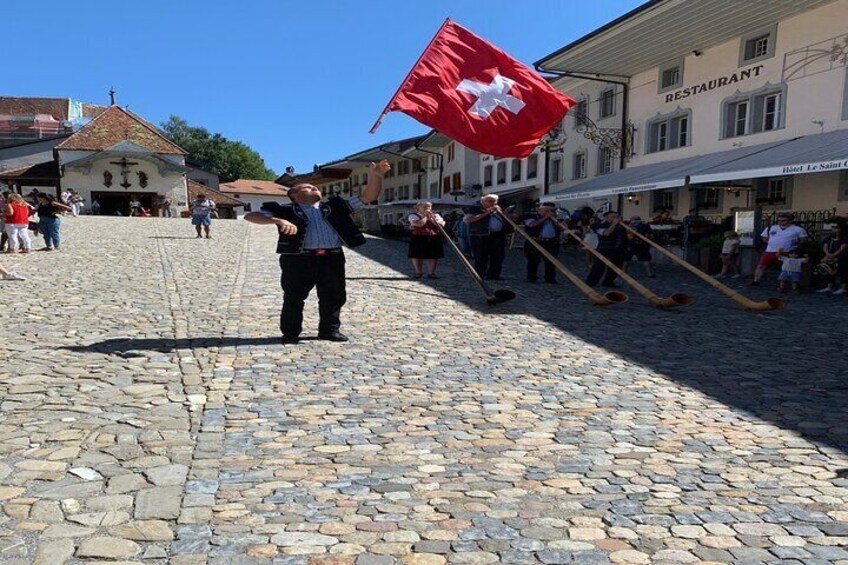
<point>335,335</point>
<point>291,338</point>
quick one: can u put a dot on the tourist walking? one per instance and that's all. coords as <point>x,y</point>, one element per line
<point>75,201</point>
<point>50,213</point>
<point>426,243</point>
<point>311,236</point>
<point>202,209</point>
<point>17,223</point>
<point>488,237</point>
<point>612,242</point>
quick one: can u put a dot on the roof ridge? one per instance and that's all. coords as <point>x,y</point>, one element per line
<point>130,115</point>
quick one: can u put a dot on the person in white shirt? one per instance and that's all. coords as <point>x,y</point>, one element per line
<point>202,210</point>
<point>790,270</point>
<point>730,255</point>
<point>783,237</point>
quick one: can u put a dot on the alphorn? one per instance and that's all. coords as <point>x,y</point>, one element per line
<point>744,301</point>
<point>676,299</point>
<point>595,297</point>
<point>492,297</point>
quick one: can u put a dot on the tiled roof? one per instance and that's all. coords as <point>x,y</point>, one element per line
<point>92,110</point>
<point>116,125</point>
<point>248,186</point>
<point>45,170</point>
<point>31,106</point>
<point>219,198</point>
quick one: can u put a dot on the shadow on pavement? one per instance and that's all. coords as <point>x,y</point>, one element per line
<point>786,367</point>
<point>129,347</point>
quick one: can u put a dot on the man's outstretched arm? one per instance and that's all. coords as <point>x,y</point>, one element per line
<point>265,219</point>
<point>375,181</point>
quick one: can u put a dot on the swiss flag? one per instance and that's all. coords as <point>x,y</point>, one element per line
<point>478,95</point>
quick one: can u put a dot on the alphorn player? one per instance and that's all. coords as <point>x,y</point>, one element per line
<point>312,234</point>
<point>488,237</point>
<point>612,243</point>
<point>543,226</point>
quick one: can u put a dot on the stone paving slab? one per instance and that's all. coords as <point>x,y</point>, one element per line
<point>148,414</point>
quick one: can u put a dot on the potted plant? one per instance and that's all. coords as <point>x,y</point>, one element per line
<point>710,247</point>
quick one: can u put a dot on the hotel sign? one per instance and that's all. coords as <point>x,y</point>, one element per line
<point>712,84</point>
<point>775,171</point>
<point>815,167</point>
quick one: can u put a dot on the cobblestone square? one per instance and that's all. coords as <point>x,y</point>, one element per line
<point>149,414</point>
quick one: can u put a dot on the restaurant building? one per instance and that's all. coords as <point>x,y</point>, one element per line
<point>708,108</point>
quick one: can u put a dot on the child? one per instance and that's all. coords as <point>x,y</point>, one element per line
<point>790,269</point>
<point>730,255</point>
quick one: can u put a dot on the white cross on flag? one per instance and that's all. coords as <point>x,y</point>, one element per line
<point>490,96</point>
<point>478,95</point>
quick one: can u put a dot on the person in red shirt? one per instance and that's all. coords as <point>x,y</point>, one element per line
<point>17,222</point>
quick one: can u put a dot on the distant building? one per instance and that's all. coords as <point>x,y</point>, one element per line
<point>198,174</point>
<point>253,193</point>
<point>226,206</point>
<point>114,158</point>
<point>26,118</point>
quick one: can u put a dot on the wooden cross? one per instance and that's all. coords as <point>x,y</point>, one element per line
<point>125,170</point>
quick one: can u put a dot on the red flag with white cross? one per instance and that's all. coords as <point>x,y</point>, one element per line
<point>478,95</point>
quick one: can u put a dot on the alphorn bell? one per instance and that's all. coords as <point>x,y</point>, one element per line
<point>744,301</point>
<point>596,298</point>
<point>676,299</point>
<point>492,297</point>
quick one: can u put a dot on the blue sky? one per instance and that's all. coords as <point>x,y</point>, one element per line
<point>301,82</point>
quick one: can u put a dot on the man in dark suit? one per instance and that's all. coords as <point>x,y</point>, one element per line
<point>312,234</point>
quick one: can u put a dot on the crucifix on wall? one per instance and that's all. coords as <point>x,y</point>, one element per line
<point>125,170</point>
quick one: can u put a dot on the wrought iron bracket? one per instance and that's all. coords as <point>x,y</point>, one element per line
<point>617,140</point>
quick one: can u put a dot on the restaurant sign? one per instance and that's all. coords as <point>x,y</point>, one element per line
<point>712,84</point>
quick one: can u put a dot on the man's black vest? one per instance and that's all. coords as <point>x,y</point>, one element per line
<point>337,212</point>
<point>481,226</point>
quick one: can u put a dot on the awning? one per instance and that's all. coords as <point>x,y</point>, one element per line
<point>658,176</point>
<point>801,155</point>
<point>464,202</point>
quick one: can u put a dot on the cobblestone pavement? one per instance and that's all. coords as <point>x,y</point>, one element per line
<point>150,415</point>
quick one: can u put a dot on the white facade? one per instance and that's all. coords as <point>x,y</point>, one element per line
<point>85,172</point>
<point>776,82</point>
<point>503,175</point>
<point>254,202</point>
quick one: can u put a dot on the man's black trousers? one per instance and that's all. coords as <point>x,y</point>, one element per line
<point>534,257</point>
<point>489,251</point>
<point>599,269</point>
<point>300,274</point>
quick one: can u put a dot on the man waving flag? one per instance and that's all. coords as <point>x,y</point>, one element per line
<point>478,95</point>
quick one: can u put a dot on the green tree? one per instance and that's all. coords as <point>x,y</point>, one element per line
<point>230,160</point>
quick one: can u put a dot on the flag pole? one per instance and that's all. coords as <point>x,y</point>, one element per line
<point>406,79</point>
